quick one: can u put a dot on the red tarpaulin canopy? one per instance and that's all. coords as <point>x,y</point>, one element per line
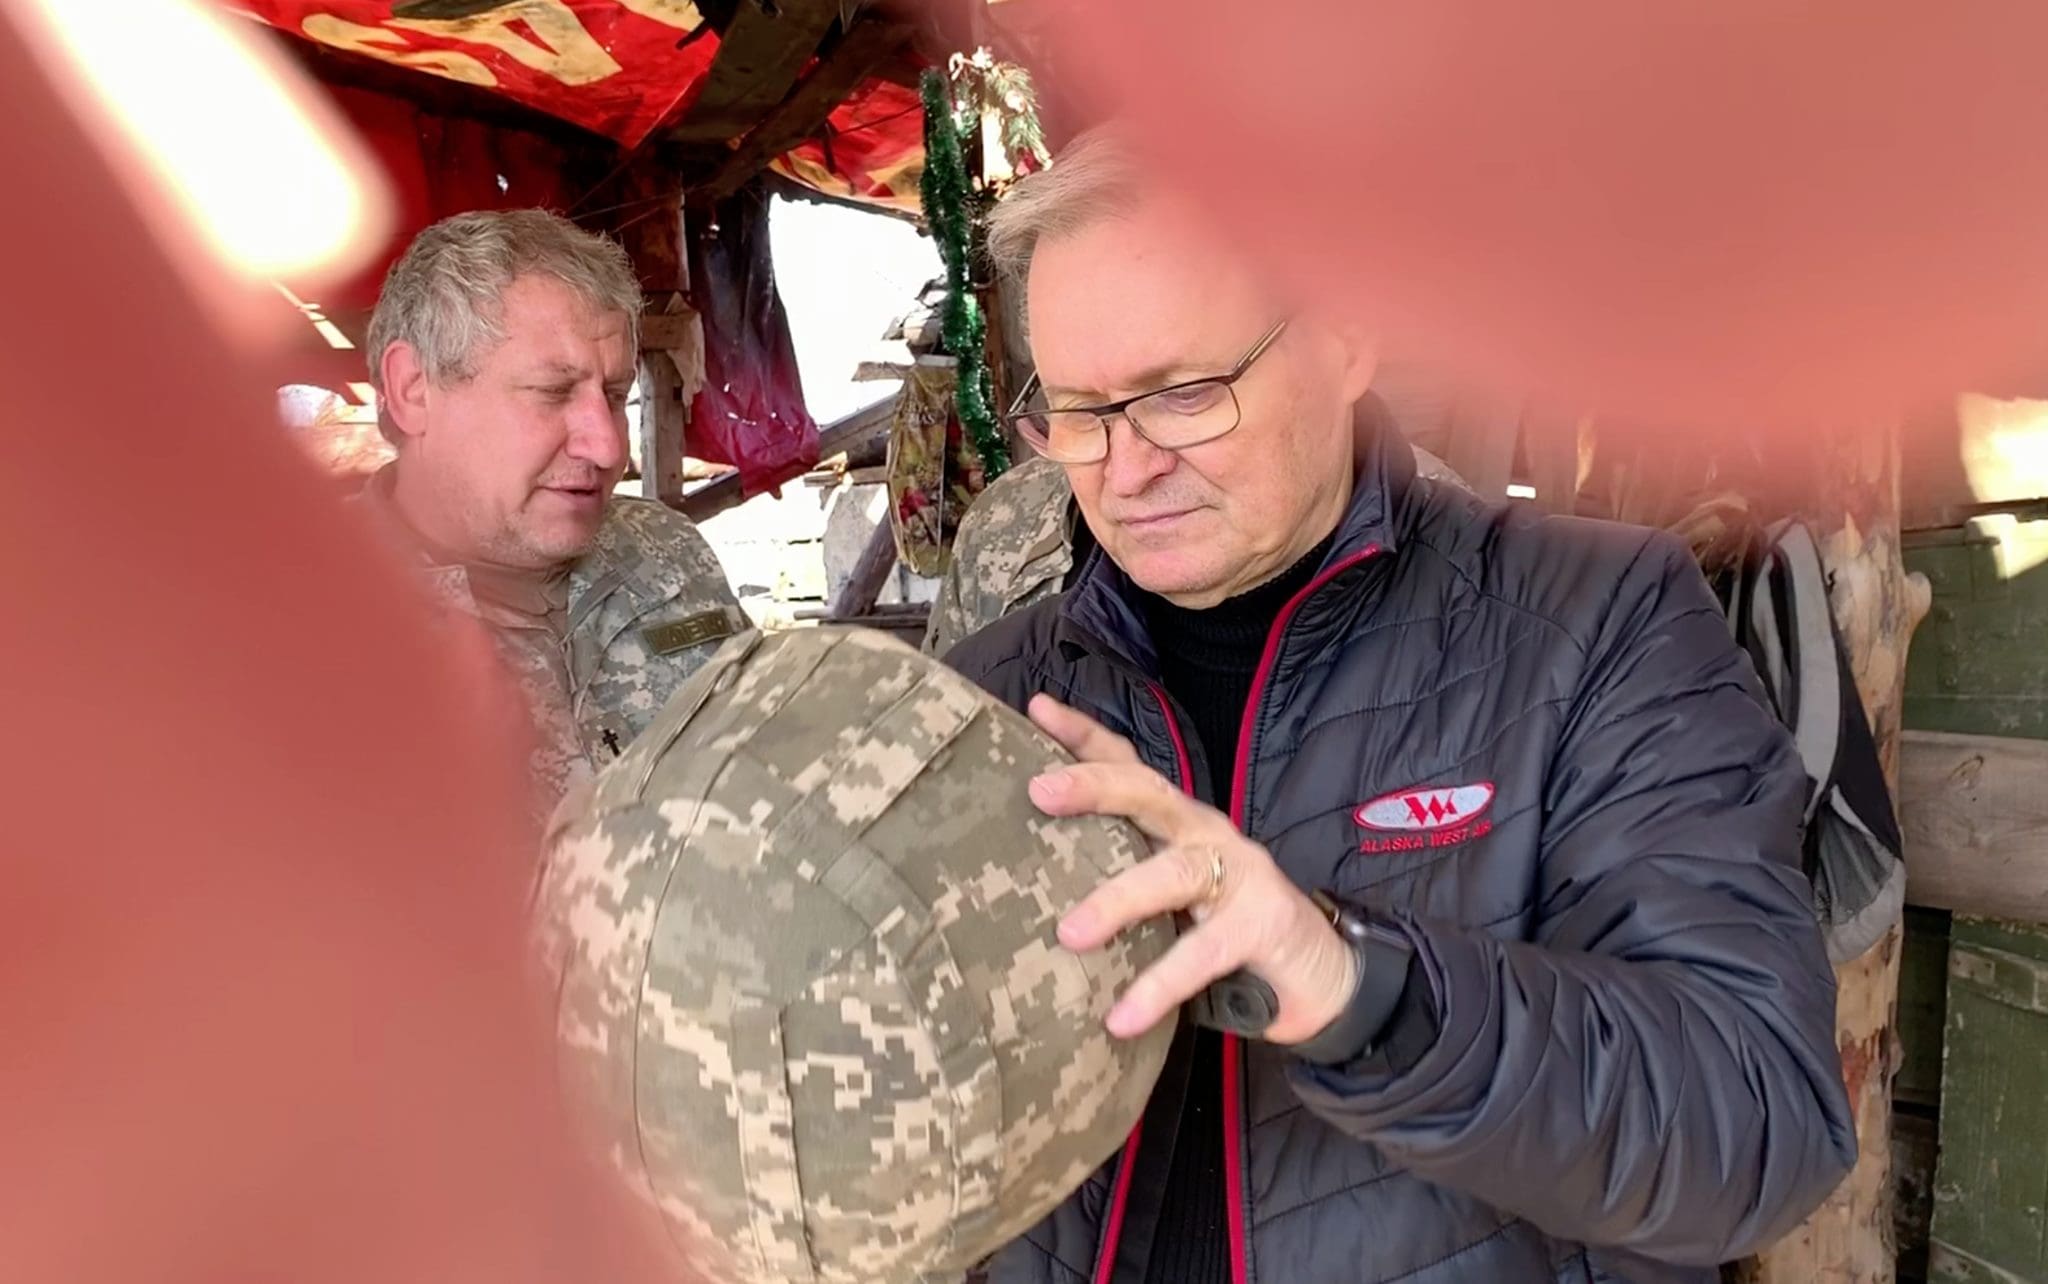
<point>621,68</point>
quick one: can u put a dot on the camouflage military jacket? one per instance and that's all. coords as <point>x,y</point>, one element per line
<point>1015,546</point>
<point>648,605</point>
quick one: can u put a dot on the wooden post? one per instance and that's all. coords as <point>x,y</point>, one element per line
<point>664,424</point>
<point>650,211</point>
<point>870,574</point>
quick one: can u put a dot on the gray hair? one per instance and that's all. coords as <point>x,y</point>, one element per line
<point>444,294</point>
<point>1097,176</point>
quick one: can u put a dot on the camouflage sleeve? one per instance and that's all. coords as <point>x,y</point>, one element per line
<point>1012,550</point>
<point>665,548</point>
<point>951,619</point>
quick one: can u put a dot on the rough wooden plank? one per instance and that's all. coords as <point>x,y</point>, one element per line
<point>664,419</point>
<point>1951,1265</point>
<point>870,44</point>
<point>1990,1223</point>
<point>1916,1147</point>
<point>1975,814</point>
<point>679,328</point>
<point>643,208</point>
<point>1923,1001</point>
<point>870,573</point>
<point>2015,980</point>
<point>760,54</point>
<point>845,434</point>
<point>1979,678</point>
<point>1980,665</point>
<point>670,377</point>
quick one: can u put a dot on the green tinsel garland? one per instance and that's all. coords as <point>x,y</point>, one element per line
<point>949,210</point>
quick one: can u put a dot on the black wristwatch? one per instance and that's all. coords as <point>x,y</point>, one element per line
<point>1383,955</point>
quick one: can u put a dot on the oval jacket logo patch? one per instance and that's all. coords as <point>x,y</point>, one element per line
<point>1425,809</point>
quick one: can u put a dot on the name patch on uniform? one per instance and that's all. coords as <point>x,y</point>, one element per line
<point>691,630</point>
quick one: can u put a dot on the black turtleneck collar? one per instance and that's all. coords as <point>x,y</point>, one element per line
<point>1225,633</point>
<point>1209,658</point>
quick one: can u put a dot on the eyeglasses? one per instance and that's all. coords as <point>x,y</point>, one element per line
<point>1171,418</point>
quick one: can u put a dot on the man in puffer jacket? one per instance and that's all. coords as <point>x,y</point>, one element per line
<point>1486,798</point>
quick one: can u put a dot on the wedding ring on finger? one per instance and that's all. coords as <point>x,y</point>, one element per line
<point>1215,876</point>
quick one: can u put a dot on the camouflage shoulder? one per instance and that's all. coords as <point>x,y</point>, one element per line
<point>659,547</point>
<point>1012,548</point>
<point>1036,490</point>
<point>1021,515</point>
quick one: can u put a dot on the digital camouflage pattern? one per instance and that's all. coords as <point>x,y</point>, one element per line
<point>648,606</point>
<point>645,608</point>
<point>1016,545</point>
<point>802,935</point>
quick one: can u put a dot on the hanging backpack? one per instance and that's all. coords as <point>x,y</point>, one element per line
<point>1775,592</point>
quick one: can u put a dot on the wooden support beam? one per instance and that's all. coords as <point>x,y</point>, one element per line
<point>671,375</point>
<point>867,46</point>
<point>643,208</point>
<point>679,329</point>
<point>1975,814</point>
<point>760,54</point>
<point>664,420</point>
<point>842,434</point>
<point>645,213</point>
<point>870,573</point>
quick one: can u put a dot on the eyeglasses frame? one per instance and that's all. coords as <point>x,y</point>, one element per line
<point>1014,419</point>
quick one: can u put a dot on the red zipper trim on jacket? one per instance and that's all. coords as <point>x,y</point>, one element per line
<point>1113,1225</point>
<point>1233,1096</point>
<point>1182,761</point>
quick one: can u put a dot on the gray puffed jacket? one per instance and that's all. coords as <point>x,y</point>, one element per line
<point>1529,743</point>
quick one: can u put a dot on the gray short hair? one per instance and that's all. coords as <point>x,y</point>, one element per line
<point>1097,176</point>
<point>443,295</point>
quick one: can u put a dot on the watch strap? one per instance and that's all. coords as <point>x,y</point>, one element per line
<point>1384,957</point>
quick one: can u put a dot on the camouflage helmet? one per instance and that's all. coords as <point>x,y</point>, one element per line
<point>802,931</point>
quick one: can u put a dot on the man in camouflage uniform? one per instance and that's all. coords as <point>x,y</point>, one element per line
<point>502,350</point>
<point>1022,539</point>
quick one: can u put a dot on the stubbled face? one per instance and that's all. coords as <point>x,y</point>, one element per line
<point>1132,303</point>
<point>515,465</point>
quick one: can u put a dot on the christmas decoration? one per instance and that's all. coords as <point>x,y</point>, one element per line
<point>952,212</point>
<point>932,475</point>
